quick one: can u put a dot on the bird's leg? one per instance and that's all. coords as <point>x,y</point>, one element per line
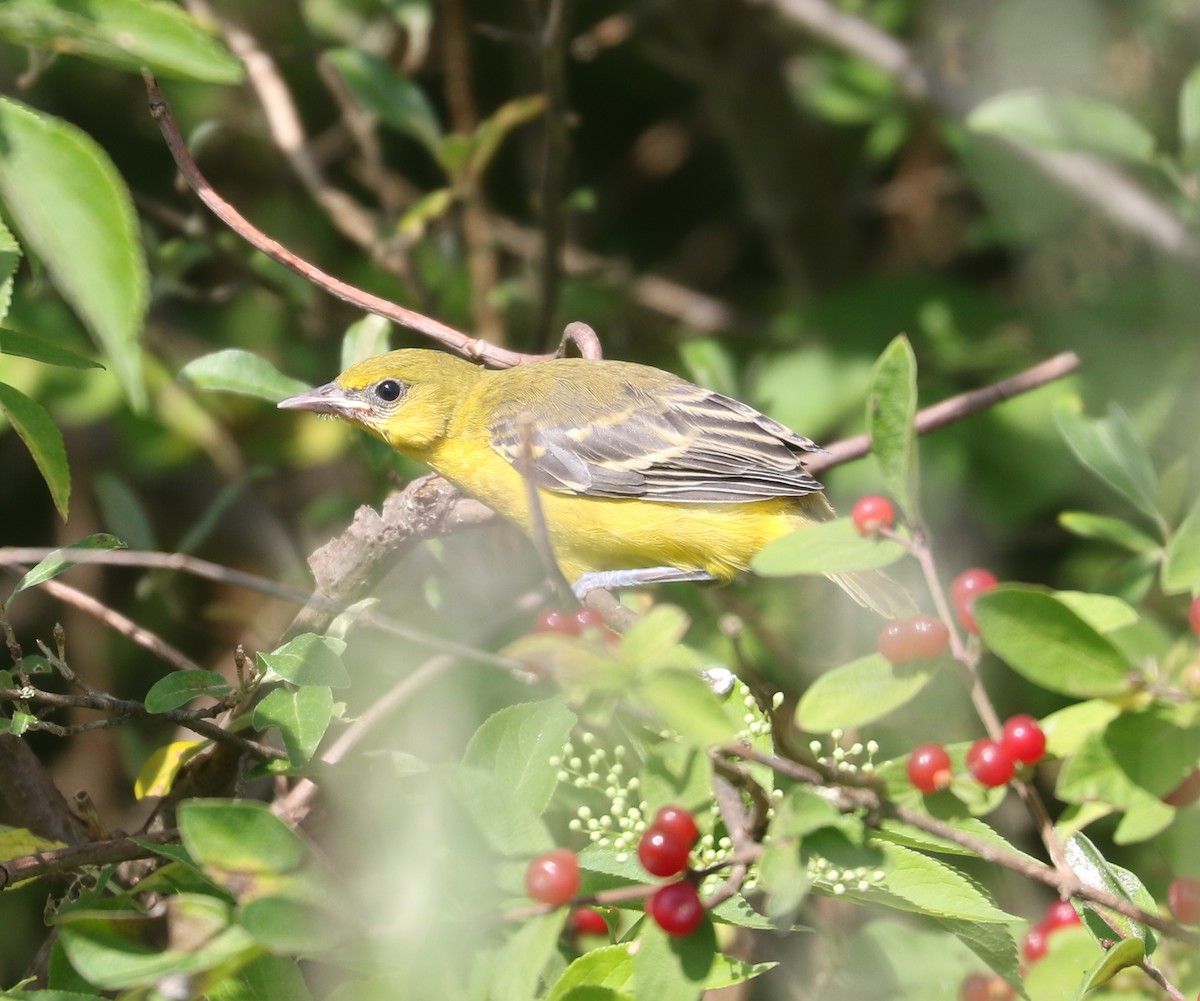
<point>612,580</point>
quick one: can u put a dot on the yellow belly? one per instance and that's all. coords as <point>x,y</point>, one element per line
<point>600,533</point>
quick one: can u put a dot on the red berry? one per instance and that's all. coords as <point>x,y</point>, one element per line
<point>555,620</point>
<point>929,636</point>
<point>1034,946</point>
<point>588,618</point>
<point>679,822</point>
<point>872,513</point>
<point>977,987</point>
<point>990,763</point>
<point>1060,914</point>
<point>1183,897</point>
<point>586,921</point>
<point>662,852</point>
<point>676,908</point>
<point>553,878</point>
<point>929,767</point>
<point>1023,739</point>
<point>966,587</point>
<point>892,641</point>
<point>1186,793</point>
<point>1194,615</point>
<point>922,636</point>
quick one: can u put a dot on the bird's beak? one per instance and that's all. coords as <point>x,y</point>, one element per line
<point>328,399</point>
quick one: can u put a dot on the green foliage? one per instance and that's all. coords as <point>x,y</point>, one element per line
<point>771,236</point>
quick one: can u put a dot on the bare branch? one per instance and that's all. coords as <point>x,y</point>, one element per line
<point>469,347</point>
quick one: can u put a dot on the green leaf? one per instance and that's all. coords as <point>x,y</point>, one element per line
<point>682,700</point>
<point>285,924</point>
<point>40,349</point>
<point>395,100</point>
<point>655,636</point>
<point>1064,121</point>
<point>1102,612</point>
<point>1092,775</point>
<point>42,437</point>
<point>931,887</point>
<point>826,547</point>
<point>860,692</point>
<point>516,746</point>
<point>1067,729</point>
<point>46,996</point>
<point>673,969</point>
<point>1181,570</point>
<point>238,837</point>
<point>267,978</point>
<point>1112,449</point>
<point>992,943</point>
<point>162,767</point>
<point>128,34</point>
<point>891,411</point>
<point>784,878</point>
<point>74,211</point>
<point>60,560</point>
<point>509,826</point>
<point>519,966</point>
<point>237,371</point>
<point>10,259</point>
<point>1043,640</point>
<point>1153,749</point>
<point>1094,870</point>
<point>116,953</point>
<point>1102,528</point>
<point>180,688</point>
<point>492,131</point>
<point>302,716</point>
<point>676,773</point>
<point>609,967</point>
<point>1189,119</point>
<point>364,339</point>
<point>1127,953</point>
<point>309,659</point>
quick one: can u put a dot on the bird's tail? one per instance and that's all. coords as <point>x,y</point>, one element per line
<point>877,591</point>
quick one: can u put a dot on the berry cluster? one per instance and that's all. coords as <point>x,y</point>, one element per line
<point>553,877</point>
<point>992,762</point>
<point>572,623</point>
<point>1060,914</point>
<point>663,851</point>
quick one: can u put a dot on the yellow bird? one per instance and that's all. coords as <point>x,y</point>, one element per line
<point>642,476</point>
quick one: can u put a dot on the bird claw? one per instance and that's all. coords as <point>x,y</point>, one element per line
<point>615,580</point>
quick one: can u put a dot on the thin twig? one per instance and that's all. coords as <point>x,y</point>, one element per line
<point>295,805</point>
<point>54,860</point>
<point>121,624</point>
<point>468,347</point>
<point>551,44</point>
<point>870,800</point>
<point>955,408</point>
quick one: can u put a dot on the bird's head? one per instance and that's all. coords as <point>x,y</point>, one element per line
<point>405,397</point>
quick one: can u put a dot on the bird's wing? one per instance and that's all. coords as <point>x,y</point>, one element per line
<point>669,441</point>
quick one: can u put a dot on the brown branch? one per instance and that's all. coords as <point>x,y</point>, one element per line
<point>551,45</point>
<point>955,408</point>
<point>29,798</point>
<point>94,853</point>
<point>469,347</point>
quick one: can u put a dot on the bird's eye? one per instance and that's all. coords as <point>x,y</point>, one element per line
<point>389,390</point>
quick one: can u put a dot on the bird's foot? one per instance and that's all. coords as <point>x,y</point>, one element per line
<point>615,580</point>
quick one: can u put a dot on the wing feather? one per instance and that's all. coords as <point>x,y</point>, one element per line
<point>630,431</point>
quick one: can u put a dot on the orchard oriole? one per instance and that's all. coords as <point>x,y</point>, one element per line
<point>642,476</point>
